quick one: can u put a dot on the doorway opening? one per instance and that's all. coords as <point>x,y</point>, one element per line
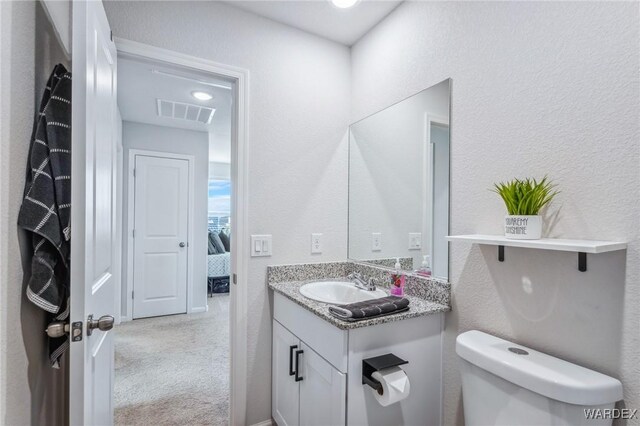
<point>172,347</point>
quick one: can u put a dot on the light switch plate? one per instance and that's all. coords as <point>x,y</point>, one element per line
<point>261,245</point>
<point>415,240</point>
<point>376,241</point>
<point>316,243</point>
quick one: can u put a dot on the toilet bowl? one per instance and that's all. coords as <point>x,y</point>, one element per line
<point>504,383</point>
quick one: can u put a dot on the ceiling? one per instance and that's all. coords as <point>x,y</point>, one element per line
<point>141,84</point>
<point>322,18</point>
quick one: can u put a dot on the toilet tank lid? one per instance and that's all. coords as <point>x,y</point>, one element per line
<point>538,372</point>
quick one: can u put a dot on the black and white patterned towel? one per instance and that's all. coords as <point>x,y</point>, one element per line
<point>370,308</point>
<point>45,210</point>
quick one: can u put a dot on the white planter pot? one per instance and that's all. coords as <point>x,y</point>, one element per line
<point>523,227</point>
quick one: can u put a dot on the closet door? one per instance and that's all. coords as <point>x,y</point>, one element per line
<point>161,222</point>
<point>323,391</point>
<point>285,390</point>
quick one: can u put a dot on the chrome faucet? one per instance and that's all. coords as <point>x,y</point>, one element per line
<point>361,283</point>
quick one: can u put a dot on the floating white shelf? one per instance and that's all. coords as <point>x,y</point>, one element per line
<point>582,247</point>
<point>585,246</point>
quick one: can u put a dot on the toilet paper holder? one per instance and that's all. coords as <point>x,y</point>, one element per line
<point>370,365</point>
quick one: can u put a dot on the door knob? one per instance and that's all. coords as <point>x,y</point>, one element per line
<point>181,244</point>
<point>104,323</point>
<point>57,329</point>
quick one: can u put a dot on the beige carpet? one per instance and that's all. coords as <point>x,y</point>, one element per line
<point>174,370</point>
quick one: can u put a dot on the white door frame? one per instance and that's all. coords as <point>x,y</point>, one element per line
<point>427,180</point>
<point>428,197</point>
<point>131,211</point>
<point>239,203</point>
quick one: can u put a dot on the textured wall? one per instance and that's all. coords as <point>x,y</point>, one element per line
<point>30,391</point>
<point>17,115</point>
<point>537,88</point>
<point>298,117</point>
<point>163,139</point>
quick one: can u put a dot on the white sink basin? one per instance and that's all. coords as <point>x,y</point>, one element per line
<point>338,292</point>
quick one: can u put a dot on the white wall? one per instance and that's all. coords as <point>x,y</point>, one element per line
<point>220,137</point>
<point>299,112</point>
<point>537,88</point>
<point>177,141</point>
<point>220,171</point>
<point>30,391</point>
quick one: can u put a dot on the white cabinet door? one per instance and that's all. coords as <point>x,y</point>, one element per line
<point>285,390</point>
<point>323,391</point>
<point>160,241</point>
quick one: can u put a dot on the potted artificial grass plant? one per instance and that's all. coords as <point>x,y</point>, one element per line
<point>524,200</point>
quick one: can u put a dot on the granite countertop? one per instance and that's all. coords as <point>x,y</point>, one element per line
<point>417,306</point>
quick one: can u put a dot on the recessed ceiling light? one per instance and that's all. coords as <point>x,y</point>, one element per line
<point>344,4</point>
<point>201,96</point>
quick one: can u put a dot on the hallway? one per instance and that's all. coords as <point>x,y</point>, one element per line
<point>174,370</point>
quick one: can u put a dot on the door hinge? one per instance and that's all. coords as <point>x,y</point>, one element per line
<point>111,35</point>
<point>133,233</point>
<point>132,294</point>
<point>235,279</point>
<point>134,172</point>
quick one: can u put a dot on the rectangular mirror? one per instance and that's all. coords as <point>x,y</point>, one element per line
<point>399,183</point>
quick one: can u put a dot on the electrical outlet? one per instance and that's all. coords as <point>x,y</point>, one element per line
<point>316,243</point>
<point>376,241</point>
<point>260,245</point>
<point>415,240</point>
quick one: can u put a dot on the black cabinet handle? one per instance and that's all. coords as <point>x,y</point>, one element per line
<point>298,378</point>
<point>291,348</point>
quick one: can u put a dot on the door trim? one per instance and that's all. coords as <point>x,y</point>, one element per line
<point>239,207</point>
<point>427,194</point>
<point>128,287</point>
<point>427,180</point>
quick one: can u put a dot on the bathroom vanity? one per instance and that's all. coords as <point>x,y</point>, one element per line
<point>326,371</point>
<point>317,359</point>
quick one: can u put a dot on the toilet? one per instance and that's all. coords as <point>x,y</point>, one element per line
<point>504,383</point>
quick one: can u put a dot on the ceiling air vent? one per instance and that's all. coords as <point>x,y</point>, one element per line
<point>182,111</point>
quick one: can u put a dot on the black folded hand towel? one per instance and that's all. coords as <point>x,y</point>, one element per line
<point>370,308</point>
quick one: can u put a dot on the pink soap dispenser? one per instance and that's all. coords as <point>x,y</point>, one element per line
<point>397,280</point>
<point>425,269</point>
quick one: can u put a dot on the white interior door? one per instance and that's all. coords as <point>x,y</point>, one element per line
<point>93,238</point>
<point>161,212</point>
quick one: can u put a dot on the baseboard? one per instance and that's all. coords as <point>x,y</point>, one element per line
<point>199,309</point>
<point>124,318</point>
<point>265,423</point>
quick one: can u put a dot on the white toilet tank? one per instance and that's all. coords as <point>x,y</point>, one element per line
<point>504,383</point>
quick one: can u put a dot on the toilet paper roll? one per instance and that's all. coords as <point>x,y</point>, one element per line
<point>395,385</point>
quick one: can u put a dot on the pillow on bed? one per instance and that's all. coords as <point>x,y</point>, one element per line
<point>217,243</point>
<point>212,246</point>
<point>225,240</point>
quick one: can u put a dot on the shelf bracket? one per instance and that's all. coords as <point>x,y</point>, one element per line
<point>500,253</point>
<point>582,262</point>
